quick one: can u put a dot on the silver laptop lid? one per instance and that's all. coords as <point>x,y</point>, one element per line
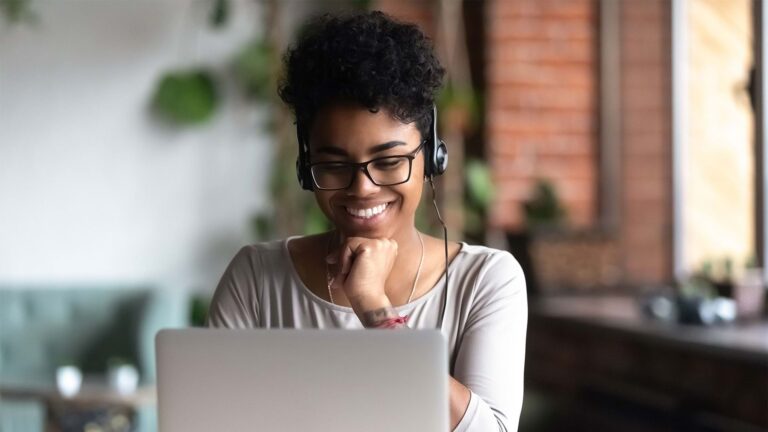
<point>302,380</point>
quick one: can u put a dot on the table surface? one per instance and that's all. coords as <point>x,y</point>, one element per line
<point>623,313</point>
<point>94,391</point>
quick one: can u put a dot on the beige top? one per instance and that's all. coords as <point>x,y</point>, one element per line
<point>485,319</point>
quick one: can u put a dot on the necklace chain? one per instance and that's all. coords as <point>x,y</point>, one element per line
<point>330,279</point>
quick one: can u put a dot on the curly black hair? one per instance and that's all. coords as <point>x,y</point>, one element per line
<point>367,58</point>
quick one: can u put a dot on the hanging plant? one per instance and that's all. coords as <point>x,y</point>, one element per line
<point>185,97</point>
<point>253,69</point>
<point>17,11</point>
<point>219,14</point>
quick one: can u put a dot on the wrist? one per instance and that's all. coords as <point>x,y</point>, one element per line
<point>373,310</point>
<point>393,323</point>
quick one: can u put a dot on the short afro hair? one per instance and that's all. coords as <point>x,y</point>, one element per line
<point>366,58</point>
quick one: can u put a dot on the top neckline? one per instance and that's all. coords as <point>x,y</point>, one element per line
<point>322,302</point>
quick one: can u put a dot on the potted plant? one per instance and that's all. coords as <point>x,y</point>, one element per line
<point>543,212</point>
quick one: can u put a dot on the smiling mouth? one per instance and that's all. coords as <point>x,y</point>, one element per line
<point>367,213</point>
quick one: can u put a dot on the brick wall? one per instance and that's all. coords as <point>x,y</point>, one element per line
<point>542,104</point>
<point>646,221</point>
<point>541,85</point>
<point>420,12</point>
<point>542,73</point>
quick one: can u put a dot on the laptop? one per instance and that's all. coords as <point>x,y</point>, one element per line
<point>302,380</point>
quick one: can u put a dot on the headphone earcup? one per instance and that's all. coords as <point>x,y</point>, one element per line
<point>440,163</point>
<point>437,152</point>
<point>302,174</point>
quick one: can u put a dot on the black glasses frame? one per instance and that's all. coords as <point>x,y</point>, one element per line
<point>364,167</point>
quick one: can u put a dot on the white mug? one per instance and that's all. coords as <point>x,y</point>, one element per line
<point>123,378</point>
<point>68,380</point>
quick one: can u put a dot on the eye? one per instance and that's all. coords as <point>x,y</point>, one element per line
<point>388,164</point>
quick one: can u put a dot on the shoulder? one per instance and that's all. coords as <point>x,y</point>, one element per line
<point>487,260</point>
<point>496,284</point>
<point>253,258</point>
<point>235,303</point>
<point>490,271</point>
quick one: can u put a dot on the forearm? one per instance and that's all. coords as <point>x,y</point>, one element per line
<point>459,401</point>
<point>374,311</point>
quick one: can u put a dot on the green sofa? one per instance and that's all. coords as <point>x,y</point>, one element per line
<point>43,327</point>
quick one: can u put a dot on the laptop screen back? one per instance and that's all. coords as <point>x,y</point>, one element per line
<point>300,380</point>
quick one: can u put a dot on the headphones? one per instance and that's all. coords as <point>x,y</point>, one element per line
<point>435,153</point>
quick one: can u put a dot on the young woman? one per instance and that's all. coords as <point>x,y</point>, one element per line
<point>362,88</point>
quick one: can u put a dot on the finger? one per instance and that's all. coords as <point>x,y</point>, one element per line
<point>332,259</point>
<point>393,245</point>
<point>337,282</point>
<point>346,258</point>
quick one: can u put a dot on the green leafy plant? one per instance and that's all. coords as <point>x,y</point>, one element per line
<point>315,221</point>
<point>17,11</point>
<point>460,106</point>
<point>253,69</point>
<point>219,13</point>
<point>479,196</point>
<point>262,226</point>
<point>198,310</point>
<point>68,361</point>
<point>185,97</point>
<point>116,361</point>
<point>697,288</point>
<point>544,209</point>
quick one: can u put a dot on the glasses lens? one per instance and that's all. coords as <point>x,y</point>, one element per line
<point>390,170</point>
<point>332,175</point>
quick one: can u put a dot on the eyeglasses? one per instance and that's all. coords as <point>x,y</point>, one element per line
<point>383,171</point>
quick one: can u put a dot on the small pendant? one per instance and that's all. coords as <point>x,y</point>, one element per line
<point>330,283</point>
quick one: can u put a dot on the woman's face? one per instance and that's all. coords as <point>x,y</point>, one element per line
<point>351,133</point>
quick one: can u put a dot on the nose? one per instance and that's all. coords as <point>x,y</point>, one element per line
<point>362,185</point>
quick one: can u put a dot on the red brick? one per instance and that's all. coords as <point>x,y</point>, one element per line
<point>646,167</point>
<point>536,123</point>
<point>544,52</point>
<point>536,75</point>
<point>504,29</point>
<point>415,11</point>
<point>566,165</point>
<point>515,190</point>
<point>653,11</point>
<point>506,215</point>
<point>637,187</point>
<point>538,8</point>
<point>524,98</point>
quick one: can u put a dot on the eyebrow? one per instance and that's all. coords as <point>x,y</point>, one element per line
<point>375,149</point>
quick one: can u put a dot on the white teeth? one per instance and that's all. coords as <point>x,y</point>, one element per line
<point>367,213</point>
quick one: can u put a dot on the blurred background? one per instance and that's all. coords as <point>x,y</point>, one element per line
<point>615,147</point>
